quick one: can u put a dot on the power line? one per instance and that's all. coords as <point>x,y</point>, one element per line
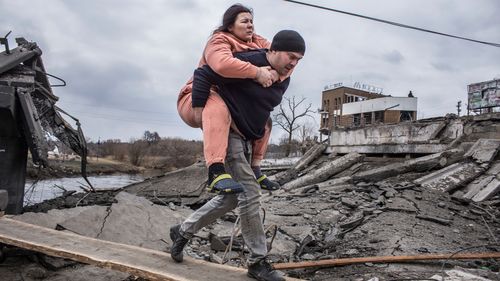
<point>394,23</point>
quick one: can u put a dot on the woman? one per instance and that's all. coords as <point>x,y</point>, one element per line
<point>236,34</point>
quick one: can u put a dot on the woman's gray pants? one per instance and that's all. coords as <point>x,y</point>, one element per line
<point>248,202</point>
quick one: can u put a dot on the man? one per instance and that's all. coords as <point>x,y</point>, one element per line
<point>250,106</point>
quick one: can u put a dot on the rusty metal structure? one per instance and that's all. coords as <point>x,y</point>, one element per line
<point>28,112</point>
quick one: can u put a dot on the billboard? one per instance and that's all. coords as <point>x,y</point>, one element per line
<point>484,94</point>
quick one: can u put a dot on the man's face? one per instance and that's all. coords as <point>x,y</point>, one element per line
<point>284,62</point>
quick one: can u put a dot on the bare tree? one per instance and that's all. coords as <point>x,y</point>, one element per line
<point>137,151</point>
<point>306,132</point>
<point>151,137</point>
<point>289,114</point>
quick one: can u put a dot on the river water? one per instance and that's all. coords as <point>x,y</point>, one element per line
<point>36,192</point>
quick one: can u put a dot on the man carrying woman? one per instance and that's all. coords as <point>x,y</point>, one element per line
<point>236,34</point>
<point>250,105</point>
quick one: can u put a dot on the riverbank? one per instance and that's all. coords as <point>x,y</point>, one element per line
<point>70,168</point>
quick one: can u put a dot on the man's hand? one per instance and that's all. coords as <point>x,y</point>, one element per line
<point>198,116</point>
<point>264,76</point>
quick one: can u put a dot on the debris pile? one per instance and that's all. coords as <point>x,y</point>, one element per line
<point>331,206</point>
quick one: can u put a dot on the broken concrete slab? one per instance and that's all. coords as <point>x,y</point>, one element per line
<point>349,202</point>
<point>423,163</point>
<point>311,155</point>
<point>488,191</point>
<point>137,221</point>
<point>88,272</point>
<point>329,217</point>
<point>459,275</point>
<point>283,245</point>
<point>186,186</point>
<point>403,133</point>
<point>402,205</point>
<point>298,233</point>
<point>483,187</point>
<point>87,223</point>
<point>52,218</point>
<point>484,150</point>
<point>417,148</point>
<point>325,185</point>
<point>132,220</point>
<point>451,177</point>
<point>321,174</point>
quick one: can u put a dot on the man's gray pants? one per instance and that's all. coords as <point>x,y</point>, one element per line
<point>248,202</point>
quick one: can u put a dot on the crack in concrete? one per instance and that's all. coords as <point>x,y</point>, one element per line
<point>149,220</point>
<point>397,246</point>
<point>108,209</point>
<point>412,202</point>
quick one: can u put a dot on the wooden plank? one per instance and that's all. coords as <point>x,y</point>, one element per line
<point>141,262</point>
<point>386,259</point>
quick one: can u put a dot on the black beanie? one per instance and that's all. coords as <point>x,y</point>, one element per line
<point>288,41</point>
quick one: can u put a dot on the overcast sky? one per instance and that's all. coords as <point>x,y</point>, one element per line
<point>125,61</point>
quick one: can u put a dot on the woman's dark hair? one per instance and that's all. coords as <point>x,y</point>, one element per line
<point>230,15</point>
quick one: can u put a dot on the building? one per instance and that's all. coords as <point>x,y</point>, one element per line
<point>359,105</point>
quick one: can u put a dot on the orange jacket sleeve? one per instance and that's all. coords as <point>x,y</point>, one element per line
<point>218,55</point>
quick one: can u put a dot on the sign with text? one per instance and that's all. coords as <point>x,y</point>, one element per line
<point>484,94</point>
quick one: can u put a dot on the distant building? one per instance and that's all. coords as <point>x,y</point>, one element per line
<point>484,97</point>
<point>359,105</point>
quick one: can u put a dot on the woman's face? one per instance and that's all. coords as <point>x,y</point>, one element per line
<point>242,26</point>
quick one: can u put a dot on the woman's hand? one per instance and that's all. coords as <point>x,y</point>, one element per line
<point>264,76</point>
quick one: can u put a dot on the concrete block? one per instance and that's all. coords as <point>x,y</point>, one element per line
<point>451,177</point>
<point>137,221</point>
<point>87,223</point>
<point>184,186</point>
<point>494,170</point>
<point>402,133</point>
<point>485,186</point>
<point>490,190</point>
<point>423,163</point>
<point>389,148</point>
<point>484,150</point>
<point>52,218</point>
<point>324,172</point>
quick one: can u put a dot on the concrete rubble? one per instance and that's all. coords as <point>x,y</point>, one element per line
<point>442,202</point>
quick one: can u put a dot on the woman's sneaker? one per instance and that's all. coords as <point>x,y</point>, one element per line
<point>225,184</point>
<point>268,184</point>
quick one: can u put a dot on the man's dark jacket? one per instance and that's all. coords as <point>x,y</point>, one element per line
<point>249,103</point>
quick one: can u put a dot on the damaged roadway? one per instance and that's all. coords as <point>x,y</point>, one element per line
<point>364,209</point>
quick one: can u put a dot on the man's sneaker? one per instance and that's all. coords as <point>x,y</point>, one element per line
<point>268,184</point>
<point>263,271</point>
<point>225,184</point>
<point>179,243</point>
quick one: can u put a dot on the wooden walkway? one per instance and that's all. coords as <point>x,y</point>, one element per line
<point>137,261</point>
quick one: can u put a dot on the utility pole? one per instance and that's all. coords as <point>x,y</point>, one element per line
<point>98,148</point>
<point>459,105</point>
